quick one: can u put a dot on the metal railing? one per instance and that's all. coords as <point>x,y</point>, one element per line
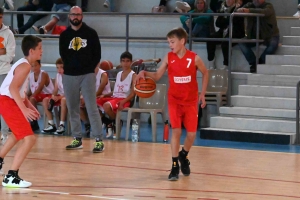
<point>127,37</point>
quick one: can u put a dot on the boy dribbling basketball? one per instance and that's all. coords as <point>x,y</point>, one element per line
<point>182,66</point>
<point>16,110</point>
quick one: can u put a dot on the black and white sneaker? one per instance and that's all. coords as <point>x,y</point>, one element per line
<point>51,128</point>
<point>173,176</point>
<point>99,147</point>
<point>13,180</point>
<point>60,130</point>
<point>75,144</point>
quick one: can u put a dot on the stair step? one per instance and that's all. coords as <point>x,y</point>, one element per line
<point>291,40</point>
<point>273,80</point>
<point>249,131</point>
<point>263,102</point>
<point>288,50</point>
<point>283,59</point>
<point>293,70</point>
<point>295,31</point>
<point>267,91</point>
<point>246,112</point>
<point>249,124</point>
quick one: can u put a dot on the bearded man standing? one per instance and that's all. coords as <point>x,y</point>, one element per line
<point>80,50</point>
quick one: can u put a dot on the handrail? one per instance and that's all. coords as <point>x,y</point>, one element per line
<point>127,37</point>
<point>297,113</point>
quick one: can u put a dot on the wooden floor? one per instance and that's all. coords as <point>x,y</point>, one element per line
<point>127,170</point>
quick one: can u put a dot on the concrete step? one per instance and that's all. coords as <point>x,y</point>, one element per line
<point>245,112</point>
<point>251,131</point>
<point>267,91</point>
<point>283,59</point>
<point>291,40</point>
<point>272,80</point>
<point>276,126</point>
<point>293,70</point>
<point>295,31</point>
<point>288,50</point>
<point>263,102</point>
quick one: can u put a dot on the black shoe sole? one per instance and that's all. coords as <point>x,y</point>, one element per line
<point>98,151</point>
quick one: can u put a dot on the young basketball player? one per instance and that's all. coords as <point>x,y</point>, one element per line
<point>59,100</point>
<point>122,95</point>
<point>41,87</point>
<point>16,110</point>
<point>102,88</point>
<point>183,99</point>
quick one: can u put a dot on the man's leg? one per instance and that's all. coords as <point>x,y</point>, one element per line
<point>272,46</point>
<point>20,17</point>
<point>72,94</point>
<point>88,89</point>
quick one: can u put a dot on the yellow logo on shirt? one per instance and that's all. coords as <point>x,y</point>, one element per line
<point>77,43</point>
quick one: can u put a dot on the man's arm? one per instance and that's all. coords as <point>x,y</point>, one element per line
<point>154,75</point>
<point>201,67</point>
<point>8,54</point>
<point>96,49</point>
<point>103,83</point>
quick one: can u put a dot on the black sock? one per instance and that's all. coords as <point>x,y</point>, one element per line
<point>184,152</point>
<point>98,140</point>
<point>13,172</point>
<point>175,161</point>
<point>78,138</point>
<point>1,160</point>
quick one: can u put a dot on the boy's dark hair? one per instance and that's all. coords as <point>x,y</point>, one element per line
<point>1,11</point>
<point>179,33</point>
<point>59,61</point>
<point>29,42</point>
<point>126,54</point>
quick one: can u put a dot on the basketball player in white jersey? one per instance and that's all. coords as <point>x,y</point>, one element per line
<point>123,92</point>
<point>41,86</point>
<point>58,97</point>
<point>16,110</point>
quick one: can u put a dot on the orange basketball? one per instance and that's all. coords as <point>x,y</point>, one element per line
<point>145,88</point>
<point>106,65</point>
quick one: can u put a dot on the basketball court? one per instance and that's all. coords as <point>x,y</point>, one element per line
<point>127,170</point>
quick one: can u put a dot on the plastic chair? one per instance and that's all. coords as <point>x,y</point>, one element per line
<point>152,105</point>
<point>217,88</point>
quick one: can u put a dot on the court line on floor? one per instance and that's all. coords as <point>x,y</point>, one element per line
<point>161,189</point>
<point>65,193</point>
<point>164,170</point>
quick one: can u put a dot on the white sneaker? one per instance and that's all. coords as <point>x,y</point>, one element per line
<point>296,14</point>
<point>212,64</point>
<point>10,180</point>
<point>178,10</point>
<point>184,6</point>
<point>109,132</point>
<point>106,4</point>
<point>9,5</point>
<point>60,130</point>
<point>50,128</point>
<point>224,67</point>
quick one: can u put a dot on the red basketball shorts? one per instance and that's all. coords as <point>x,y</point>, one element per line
<point>40,97</point>
<point>114,102</point>
<point>186,114</point>
<point>14,118</point>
